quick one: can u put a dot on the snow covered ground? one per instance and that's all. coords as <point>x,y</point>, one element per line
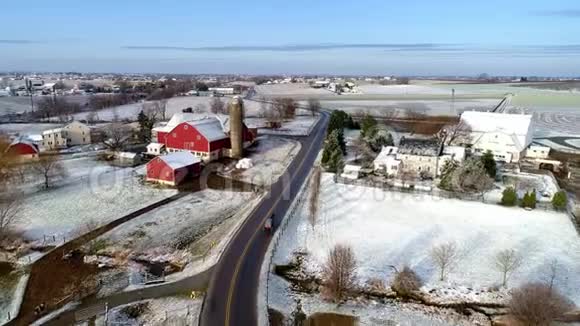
<point>290,89</point>
<point>174,105</point>
<point>166,233</point>
<point>12,286</point>
<point>177,310</point>
<point>270,157</point>
<point>403,89</point>
<point>101,196</point>
<point>391,228</point>
<point>431,107</point>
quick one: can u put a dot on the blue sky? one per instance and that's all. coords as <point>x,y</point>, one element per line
<point>413,37</point>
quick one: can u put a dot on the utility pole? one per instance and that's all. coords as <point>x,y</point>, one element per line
<point>28,83</point>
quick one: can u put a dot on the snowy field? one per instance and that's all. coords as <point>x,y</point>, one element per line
<point>290,89</point>
<point>390,228</point>
<point>270,158</point>
<point>176,310</point>
<point>101,196</point>
<point>162,231</point>
<point>301,126</point>
<point>174,105</point>
<point>403,89</point>
<point>431,107</point>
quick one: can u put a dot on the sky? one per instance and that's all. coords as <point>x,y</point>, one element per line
<point>383,37</point>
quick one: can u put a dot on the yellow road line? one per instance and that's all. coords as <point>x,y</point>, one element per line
<point>247,247</point>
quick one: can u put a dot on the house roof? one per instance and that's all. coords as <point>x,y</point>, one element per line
<point>386,153</point>
<point>156,145</point>
<point>211,128</point>
<point>178,160</point>
<point>518,124</point>
<point>420,147</point>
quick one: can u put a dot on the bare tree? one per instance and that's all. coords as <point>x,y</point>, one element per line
<point>10,209</point>
<point>313,106</point>
<point>471,176</point>
<point>314,195</point>
<point>199,108</point>
<point>457,134</point>
<point>362,150</point>
<point>50,168</point>
<point>535,304</point>
<point>286,107</point>
<point>506,262</point>
<point>339,273</point>
<point>264,107</point>
<point>91,117</point>
<point>217,106</point>
<point>445,256</point>
<point>406,282</point>
<point>273,115</point>
<point>116,136</point>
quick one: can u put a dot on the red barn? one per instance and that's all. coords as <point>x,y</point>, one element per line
<point>206,138</point>
<point>23,150</point>
<point>173,168</point>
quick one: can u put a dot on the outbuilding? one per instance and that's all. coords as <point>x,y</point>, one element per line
<point>23,150</point>
<point>174,168</point>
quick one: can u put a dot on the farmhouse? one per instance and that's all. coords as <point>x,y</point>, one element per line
<point>173,169</point>
<point>75,133</point>
<point>23,150</point>
<point>209,138</point>
<point>507,136</point>
<point>420,157</point>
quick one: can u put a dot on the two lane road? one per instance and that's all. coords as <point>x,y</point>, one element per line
<point>231,298</point>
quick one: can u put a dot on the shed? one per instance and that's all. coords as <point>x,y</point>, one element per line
<point>155,149</point>
<point>173,168</point>
<point>128,158</point>
<point>351,171</point>
<point>23,150</point>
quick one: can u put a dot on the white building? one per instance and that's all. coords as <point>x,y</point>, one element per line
<point>75,133</point>
<point>386,161</point>
<point>351,171</point>
<point>507,136</point>
<point>537,151</point>
<point>223,90</point>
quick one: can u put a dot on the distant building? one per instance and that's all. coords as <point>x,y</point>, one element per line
<point>507,136</point>
<point>174,168</point>
<point>75,133</point>
<point>223,90</point>
<point>128,159</point>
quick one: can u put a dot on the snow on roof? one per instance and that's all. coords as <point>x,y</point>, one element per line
<point>210,128</point>
<point>52,131</point>
<point>387,154</point>
<point>456,152</point>
<point>178,160</point>
<point>518,124</point>
<point>127,155</point>
<point>352,168</point>
<point>156,145</point>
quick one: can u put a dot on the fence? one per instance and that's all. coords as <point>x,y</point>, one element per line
<point>273,247</point>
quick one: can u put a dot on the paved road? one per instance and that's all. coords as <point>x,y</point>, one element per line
<point>232,294</point>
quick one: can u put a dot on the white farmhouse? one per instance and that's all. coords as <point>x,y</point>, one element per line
<point>507,136</point>
<point>75,133</point>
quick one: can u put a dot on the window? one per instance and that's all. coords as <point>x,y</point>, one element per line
<point>198,137</point>
<point>185,127</point>
<point>174,135</point>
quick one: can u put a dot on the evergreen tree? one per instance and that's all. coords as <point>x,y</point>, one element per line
<point>509,197</point>
<point>368,126</point>
<point>379,139</point>
<point>341,142</point>
<point>336,161</point>
<point>489,163</point>
<point>145,127</point>
<point>529,199</point>
<point>331,144</point>
<point>560,200</point>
